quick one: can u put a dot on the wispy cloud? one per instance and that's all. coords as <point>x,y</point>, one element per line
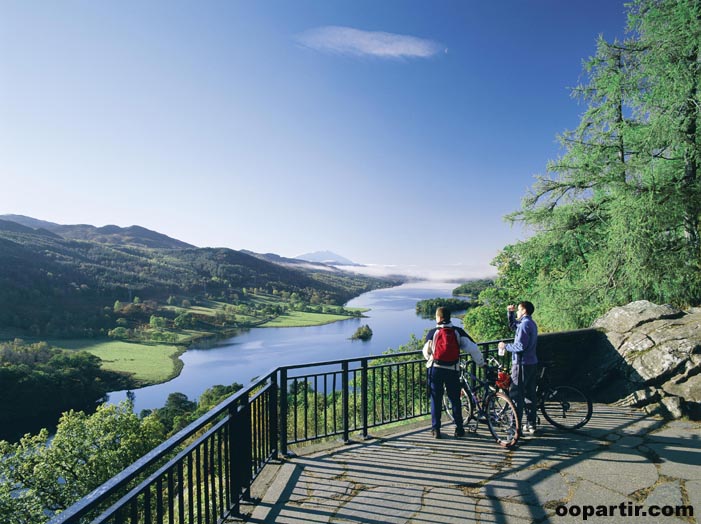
<point>355,42</point>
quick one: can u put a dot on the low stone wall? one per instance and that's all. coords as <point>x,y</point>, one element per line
<point>574,355</point>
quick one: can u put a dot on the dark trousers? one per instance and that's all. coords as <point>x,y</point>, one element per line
<point>437,379</point>
<point>524,396</point>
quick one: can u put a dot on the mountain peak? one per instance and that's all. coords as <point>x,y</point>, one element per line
<point>326,257</point>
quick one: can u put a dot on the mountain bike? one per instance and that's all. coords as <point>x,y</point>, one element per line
<point>565,407</point>
<point>484,403</point>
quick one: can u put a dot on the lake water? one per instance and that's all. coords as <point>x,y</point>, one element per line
<point>392,318</point>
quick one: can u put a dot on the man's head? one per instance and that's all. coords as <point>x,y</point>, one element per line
<point>442,315</point>
<point>525,308</point>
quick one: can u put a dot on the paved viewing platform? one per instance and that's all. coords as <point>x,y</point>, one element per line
<point>622,458</point>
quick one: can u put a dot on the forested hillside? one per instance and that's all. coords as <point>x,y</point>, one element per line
<point>53,286</point>
<point>616,219</point>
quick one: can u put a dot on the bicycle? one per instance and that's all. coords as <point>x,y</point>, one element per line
<point>565,407</point>
<point>485,403</point>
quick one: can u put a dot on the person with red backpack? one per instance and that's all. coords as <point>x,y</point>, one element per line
<point>442,351</point>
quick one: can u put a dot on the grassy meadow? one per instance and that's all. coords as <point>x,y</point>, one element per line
<point>152,362</point>
<point>146,363</point>
<point>303,319</point>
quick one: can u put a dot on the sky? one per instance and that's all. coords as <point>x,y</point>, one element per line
<point>394,133</point>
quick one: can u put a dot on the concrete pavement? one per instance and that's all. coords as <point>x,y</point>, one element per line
<point>621,459</point>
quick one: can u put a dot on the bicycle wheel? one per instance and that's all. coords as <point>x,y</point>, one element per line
<point>468,406</point>
<point>502,420</point>
<point>566,407</point>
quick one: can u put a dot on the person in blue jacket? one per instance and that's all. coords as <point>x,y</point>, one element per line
<point>524,362</point>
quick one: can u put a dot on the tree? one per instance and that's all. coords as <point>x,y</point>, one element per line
<point>183,321</point>
<point>617,218</point>
<point>175,414</point>
<point>362,333</point>
<point>118,332</point>
<point>157,322</point>
<point>43,475</point>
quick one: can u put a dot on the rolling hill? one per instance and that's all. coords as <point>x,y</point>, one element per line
<point>63,280</point>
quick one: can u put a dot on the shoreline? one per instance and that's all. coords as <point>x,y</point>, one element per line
<point>135,359</point>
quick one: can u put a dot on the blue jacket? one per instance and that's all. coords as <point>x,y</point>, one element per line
<point>525,341</point>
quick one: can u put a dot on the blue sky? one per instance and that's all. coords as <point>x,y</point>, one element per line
<point>390,132</point>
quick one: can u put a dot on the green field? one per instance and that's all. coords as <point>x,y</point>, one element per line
<point>146,363</point>
<point>155,363</point>
<point>301,319</point>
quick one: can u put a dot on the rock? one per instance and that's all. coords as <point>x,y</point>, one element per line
<point>623,319</point>
<point>689,390</point>
<point>673,405</point>
<point>660,363</point>
<point>640,398</point>
<point>655,359</point>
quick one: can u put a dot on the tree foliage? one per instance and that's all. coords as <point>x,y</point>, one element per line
<point>427,308</point>
<point>43,475</point>
<point>362,333</point>
<point>617,217</point>
<point>38,383</point>
<point>473,288</point>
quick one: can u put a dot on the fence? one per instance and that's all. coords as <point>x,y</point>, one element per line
<point>201,474</point>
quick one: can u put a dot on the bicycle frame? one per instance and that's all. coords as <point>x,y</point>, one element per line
<point>482,386</point>
<point>485,403</point>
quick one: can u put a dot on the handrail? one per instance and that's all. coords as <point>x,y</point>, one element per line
<point>203,472</point>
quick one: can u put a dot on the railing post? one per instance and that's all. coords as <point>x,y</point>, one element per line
<point>234,447</point>
<point>245,441</point>
<point>364,395</point>
<point>344,397</point>
<point>241,452</point>
<point>282,424</point>
<point>273,414</point>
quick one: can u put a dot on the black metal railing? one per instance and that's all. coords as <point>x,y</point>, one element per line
<point>203,473</point>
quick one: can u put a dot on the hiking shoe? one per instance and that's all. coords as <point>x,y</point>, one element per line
<point>459,432</point>
<point>436,433</point>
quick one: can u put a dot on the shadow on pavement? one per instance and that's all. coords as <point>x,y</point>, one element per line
<point>622,457</point>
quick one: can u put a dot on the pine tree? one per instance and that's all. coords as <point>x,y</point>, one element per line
<point>617,217</point>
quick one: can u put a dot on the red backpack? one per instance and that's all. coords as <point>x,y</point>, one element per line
<point>446,346</point>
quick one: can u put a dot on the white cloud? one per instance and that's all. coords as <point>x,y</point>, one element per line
<point>355,42</point>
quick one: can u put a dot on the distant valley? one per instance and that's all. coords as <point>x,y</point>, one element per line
<point>58,280</point>
<point>85,310</point>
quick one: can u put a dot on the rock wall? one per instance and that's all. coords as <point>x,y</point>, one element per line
<point>641,354</point>
<point>657,364</point>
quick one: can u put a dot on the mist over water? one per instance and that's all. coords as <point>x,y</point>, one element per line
<point>392,318</point>
<point>458,273</point>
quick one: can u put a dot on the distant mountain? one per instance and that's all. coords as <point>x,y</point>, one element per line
<point>294,263</point>
<point>326,257</point>
<point>133,235</point>
<point>66,286</point>
<point>15,227</point>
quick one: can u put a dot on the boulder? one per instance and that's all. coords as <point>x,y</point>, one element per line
<point>623,319</point>
<point>657,359</point>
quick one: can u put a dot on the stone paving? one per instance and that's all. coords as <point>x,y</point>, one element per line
<point>622,458</point>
